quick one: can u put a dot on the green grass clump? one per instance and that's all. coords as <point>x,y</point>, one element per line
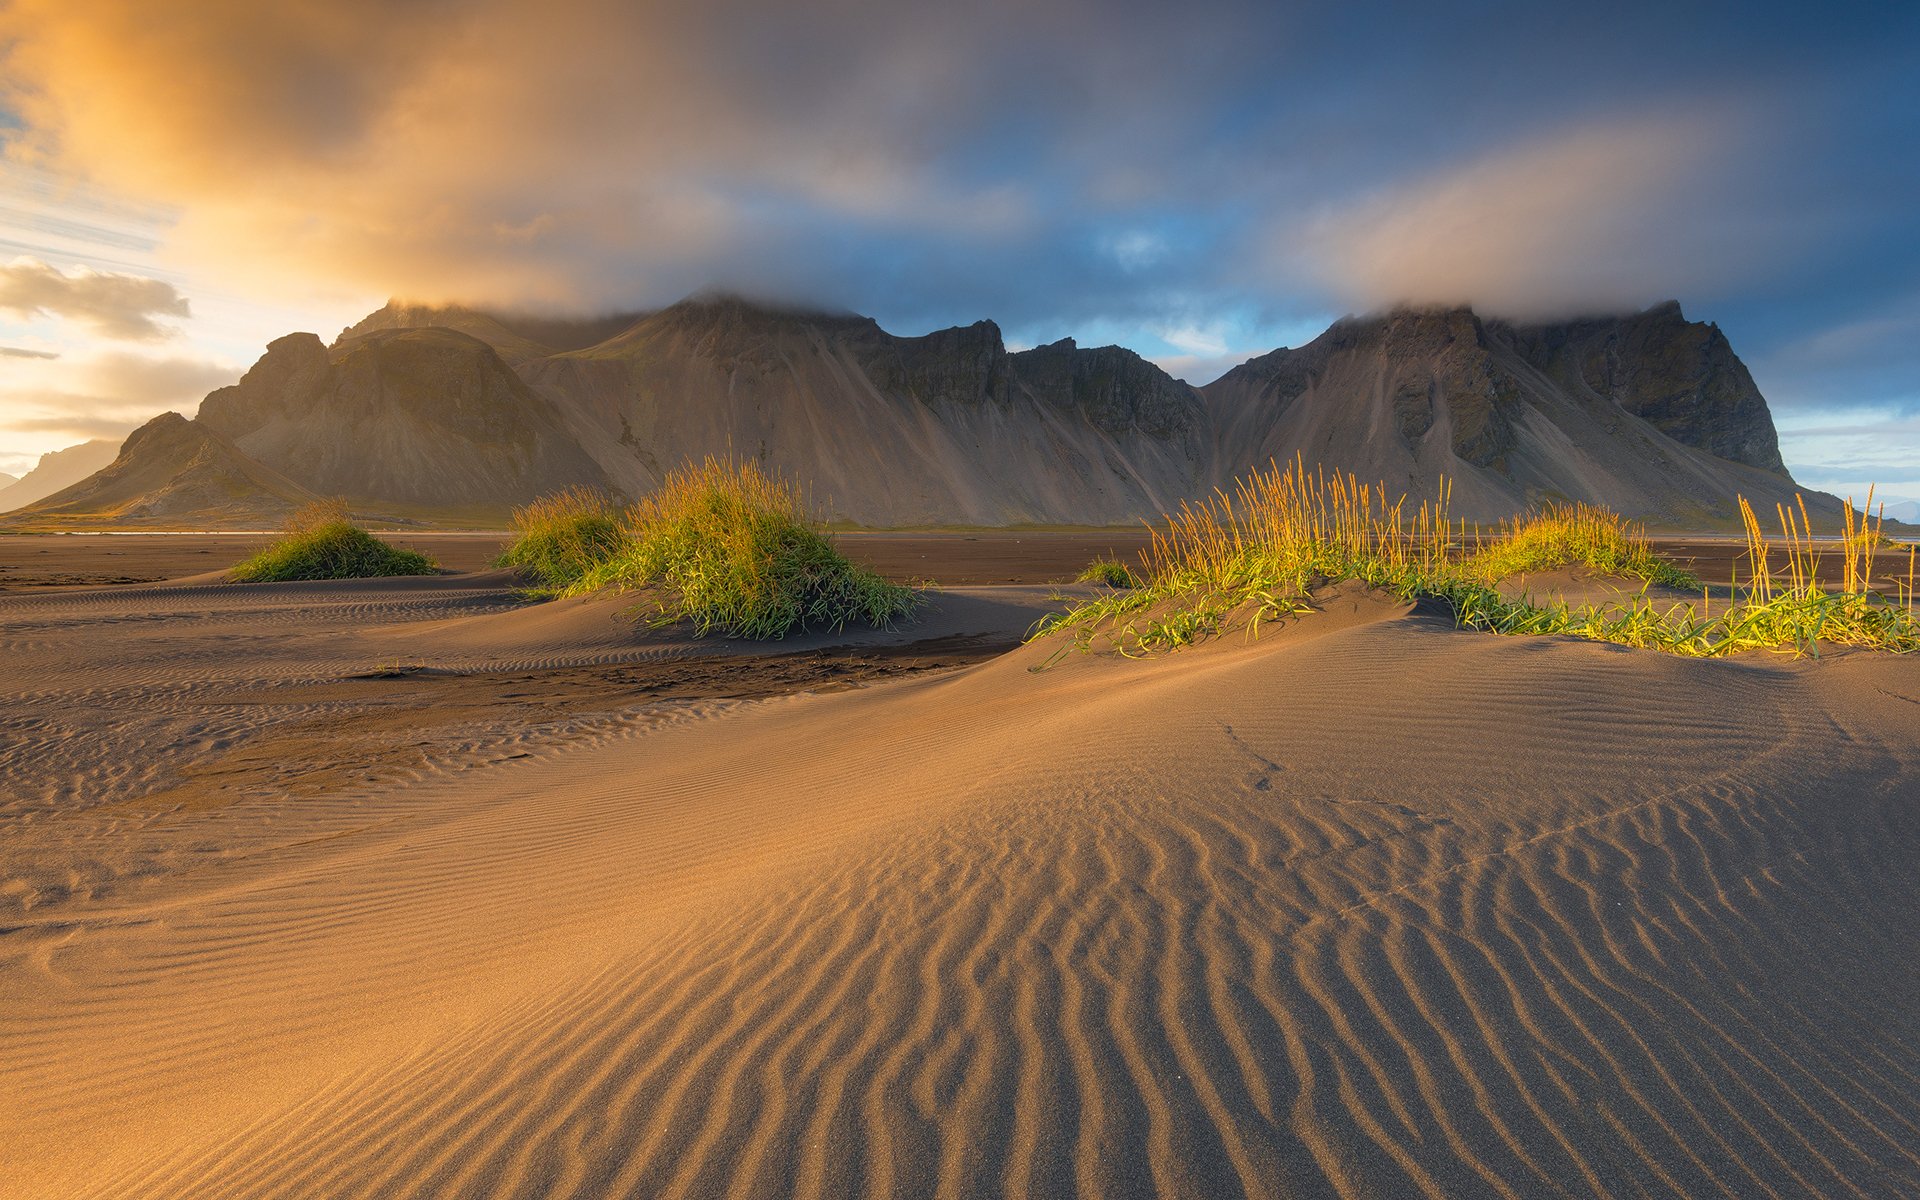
<point>559,539</point>
<point>322,542</point>
<point>1259,553</point>
<point>1565,535</point>
<point>729,548</point>
<point>1109,571</point>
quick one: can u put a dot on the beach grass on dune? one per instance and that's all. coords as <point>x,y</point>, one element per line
<point>559,539</point>
<point>727,548</point>
<point>1109,571</point>
<point>1239,559</point>
<point>322,542</point>
<point>1567,535</point>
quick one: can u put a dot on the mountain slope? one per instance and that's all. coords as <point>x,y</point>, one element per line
<point>1649,414</point>
<point>949,428</point>
<point>173,468</point>
<point>428,416</point>
<point>455,411</point>
<point>515,337</point>
<point>59,469</point>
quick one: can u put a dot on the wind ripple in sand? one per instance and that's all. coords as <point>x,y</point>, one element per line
<point>1392,911</point>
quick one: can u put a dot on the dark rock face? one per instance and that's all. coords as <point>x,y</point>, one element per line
<point>1413,409</point>
<point>739,335</point>
<point>455,408</point>
<point>1680,376</point>
<point>963,365</point>
<point>1113,389</point>
<point>167,433</point>
<point>1431,362</point>
<point>175,467</point>
<point>435,376</point>
<point>293,372</point>
<point>1685,380</point>
<point>1116,389</point>
<point>1280,376</point>
<point>1447,352</point>
<point>419,416</point>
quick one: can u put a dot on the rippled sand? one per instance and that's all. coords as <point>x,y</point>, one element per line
<point>1367,907</point>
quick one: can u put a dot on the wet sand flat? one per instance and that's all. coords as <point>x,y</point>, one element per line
<point>31,561</point>
<point>34,561</point>
<point>412,887</point>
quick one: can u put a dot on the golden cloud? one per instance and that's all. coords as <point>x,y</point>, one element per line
<point>1601,217</point>
<point>112,305</point>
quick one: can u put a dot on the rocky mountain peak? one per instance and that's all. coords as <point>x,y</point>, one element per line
<point>1115,388</point>
<point>1681,377</point>
<point>173,466</point>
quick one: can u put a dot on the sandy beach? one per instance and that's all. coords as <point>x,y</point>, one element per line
<point>31,562</point>
<point>412,887</point>
<point>877,601</point>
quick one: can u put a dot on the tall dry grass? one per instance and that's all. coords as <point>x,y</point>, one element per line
<point>1241,558</point>
<point>1561,535</point>
<point>558,539</point>
<point>721,545</point>
<point>321,541</point>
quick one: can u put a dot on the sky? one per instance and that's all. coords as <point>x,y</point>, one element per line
<point>181,183</point>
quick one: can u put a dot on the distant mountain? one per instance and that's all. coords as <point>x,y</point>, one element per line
<point>949,428</point>
<point>517,337</point>
<point>57,470</point>
<point>427,417</point>
<point>1907,511</point>
<point>7,480</point>
<point>1651,414</point>
<point>173,469</point>
<point>433,410</point>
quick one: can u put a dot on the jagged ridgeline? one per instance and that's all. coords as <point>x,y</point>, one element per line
<point>456,414</point>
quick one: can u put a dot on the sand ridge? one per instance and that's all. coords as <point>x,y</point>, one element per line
<point>1367,906</point>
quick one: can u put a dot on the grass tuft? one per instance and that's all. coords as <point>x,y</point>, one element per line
<point>322,542</point>
<point>1565,535</point>
<point>560,539</point>
<point>1109,571</point>
<point>730,548</point>
<point>1258,553</point>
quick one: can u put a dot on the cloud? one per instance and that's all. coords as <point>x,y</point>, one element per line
<point>1206,351</point>
<point>1060,161</point>
<point>102,395</point>
<point>23,352</point>
<point>1610,216</point>
<point>1194,339</point>
<point>112,305</point>
<point>1202,369</point>
<point>1847,449</point>
<point>591,151</point>
<point>77,426</point>
<point>139,379</point>
<point>1868,358</point>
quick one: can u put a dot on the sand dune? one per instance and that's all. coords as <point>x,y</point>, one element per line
<point>1367,907</point>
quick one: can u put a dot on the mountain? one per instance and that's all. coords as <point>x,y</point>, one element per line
<point>57,470</point>
<point>429,417</point>
<point>171,469</point>
<point>440,410</point>
<point>949,428</point>
<point>517,337</point>
<point>1649,414</point>
<point>7,480</point>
